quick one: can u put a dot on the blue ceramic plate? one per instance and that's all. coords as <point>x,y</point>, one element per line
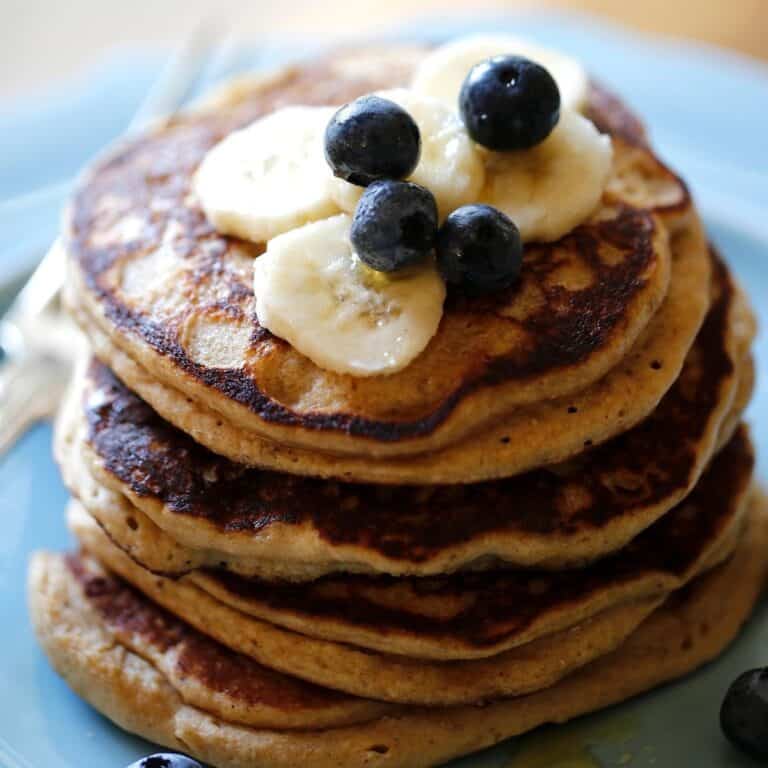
<point>707,113</point>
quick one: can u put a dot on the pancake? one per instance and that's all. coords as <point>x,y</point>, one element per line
<point>536,435</point>
<point>152,274</point>
<point>470,615</point>
<point>281,526</point>
<point>477,615</point>
<point>145,542</point>
<point>688,631</point>
<point>81,596</point>
<point>743,395</point>
<point>388,677</point>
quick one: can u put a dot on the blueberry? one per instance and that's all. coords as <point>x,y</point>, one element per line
<point>479,249</point>
<point>166,760</point>
<point>394,225</point>
<point>509,102</point>
<point>370,139</point>
<point>744,714</point>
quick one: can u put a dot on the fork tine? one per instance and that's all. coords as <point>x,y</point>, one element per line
<point>179,76</point>
<point>31,383</point>
<point>175,83</point>
<point>42,286</point>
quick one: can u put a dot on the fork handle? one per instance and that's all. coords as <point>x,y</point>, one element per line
<point>30,391</point>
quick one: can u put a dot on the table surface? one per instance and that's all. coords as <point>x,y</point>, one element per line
<point>76,34</point>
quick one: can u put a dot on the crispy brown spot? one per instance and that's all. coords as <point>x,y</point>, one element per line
<point>493,605</point>
<point>126,611</point>
<point>157,460</point>
<point>400,521</point>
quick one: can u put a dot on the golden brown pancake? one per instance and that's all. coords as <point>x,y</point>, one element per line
<point>387,677</point>
<point>545,433</point>
<point>203,672</point>
<point>479,614</point>
<point>167,290</point>
<point>136,693</point>
<point>277,525</point>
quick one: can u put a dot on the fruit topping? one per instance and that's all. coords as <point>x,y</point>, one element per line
<point>372,138</point>
<point>441,73</point>
<point>479,249</point>
<point>450,165</point>
<point>509,102</point>
<point>394,225</point>
<point>553,187</point>
<point>268,177</point>
<point>313,291</point>
<point>166,760</point>
<point>744,713</point>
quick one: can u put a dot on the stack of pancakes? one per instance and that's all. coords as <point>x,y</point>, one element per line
<point>549,511</point>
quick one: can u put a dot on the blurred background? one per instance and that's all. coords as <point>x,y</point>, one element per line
<point>74,72</point>
<point>45,40</point>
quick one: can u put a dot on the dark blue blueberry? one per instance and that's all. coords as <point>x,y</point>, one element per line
<point>394,225</point>
<point>509,102</point>
<point>744,714</point>
<point>166,760</point>
<point>370,139</point>
<point>479,249</point>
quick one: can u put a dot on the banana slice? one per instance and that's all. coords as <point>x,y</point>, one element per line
<point>269,177</point>
<point>450,165</point>
<point>553,187</point>
<point>442,72</point>
<point>314,292</point>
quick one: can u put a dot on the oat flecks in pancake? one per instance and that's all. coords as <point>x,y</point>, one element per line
<point>475,615</point>
<point>387,677</point>
<point>489,610</point>
<point>533,436</point>
<point>175,293</point>
<point>203,672</point>
<point>552,517</point>
<point>696,627</point>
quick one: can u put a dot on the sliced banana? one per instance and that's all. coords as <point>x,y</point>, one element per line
<point>314,292</point>
<point>450,165</point>
<point>553,187</point>
<point>269,177</point>
<point>442,72</point>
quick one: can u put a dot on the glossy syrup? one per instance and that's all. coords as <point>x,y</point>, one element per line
<point>571,747</point>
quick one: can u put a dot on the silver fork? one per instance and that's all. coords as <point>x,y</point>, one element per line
<point>38,342</point>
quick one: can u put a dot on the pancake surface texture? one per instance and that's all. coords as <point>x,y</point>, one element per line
<point>176,298</point>
<point>693,628</point>
<point>279,525</point>
<point>544,433</point>
<point>472,616</point>
<point>386,677</point>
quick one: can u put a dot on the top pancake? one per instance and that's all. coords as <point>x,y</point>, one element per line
<point>281,525</point>
<point>166,289</point>
<point>531,437</point>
